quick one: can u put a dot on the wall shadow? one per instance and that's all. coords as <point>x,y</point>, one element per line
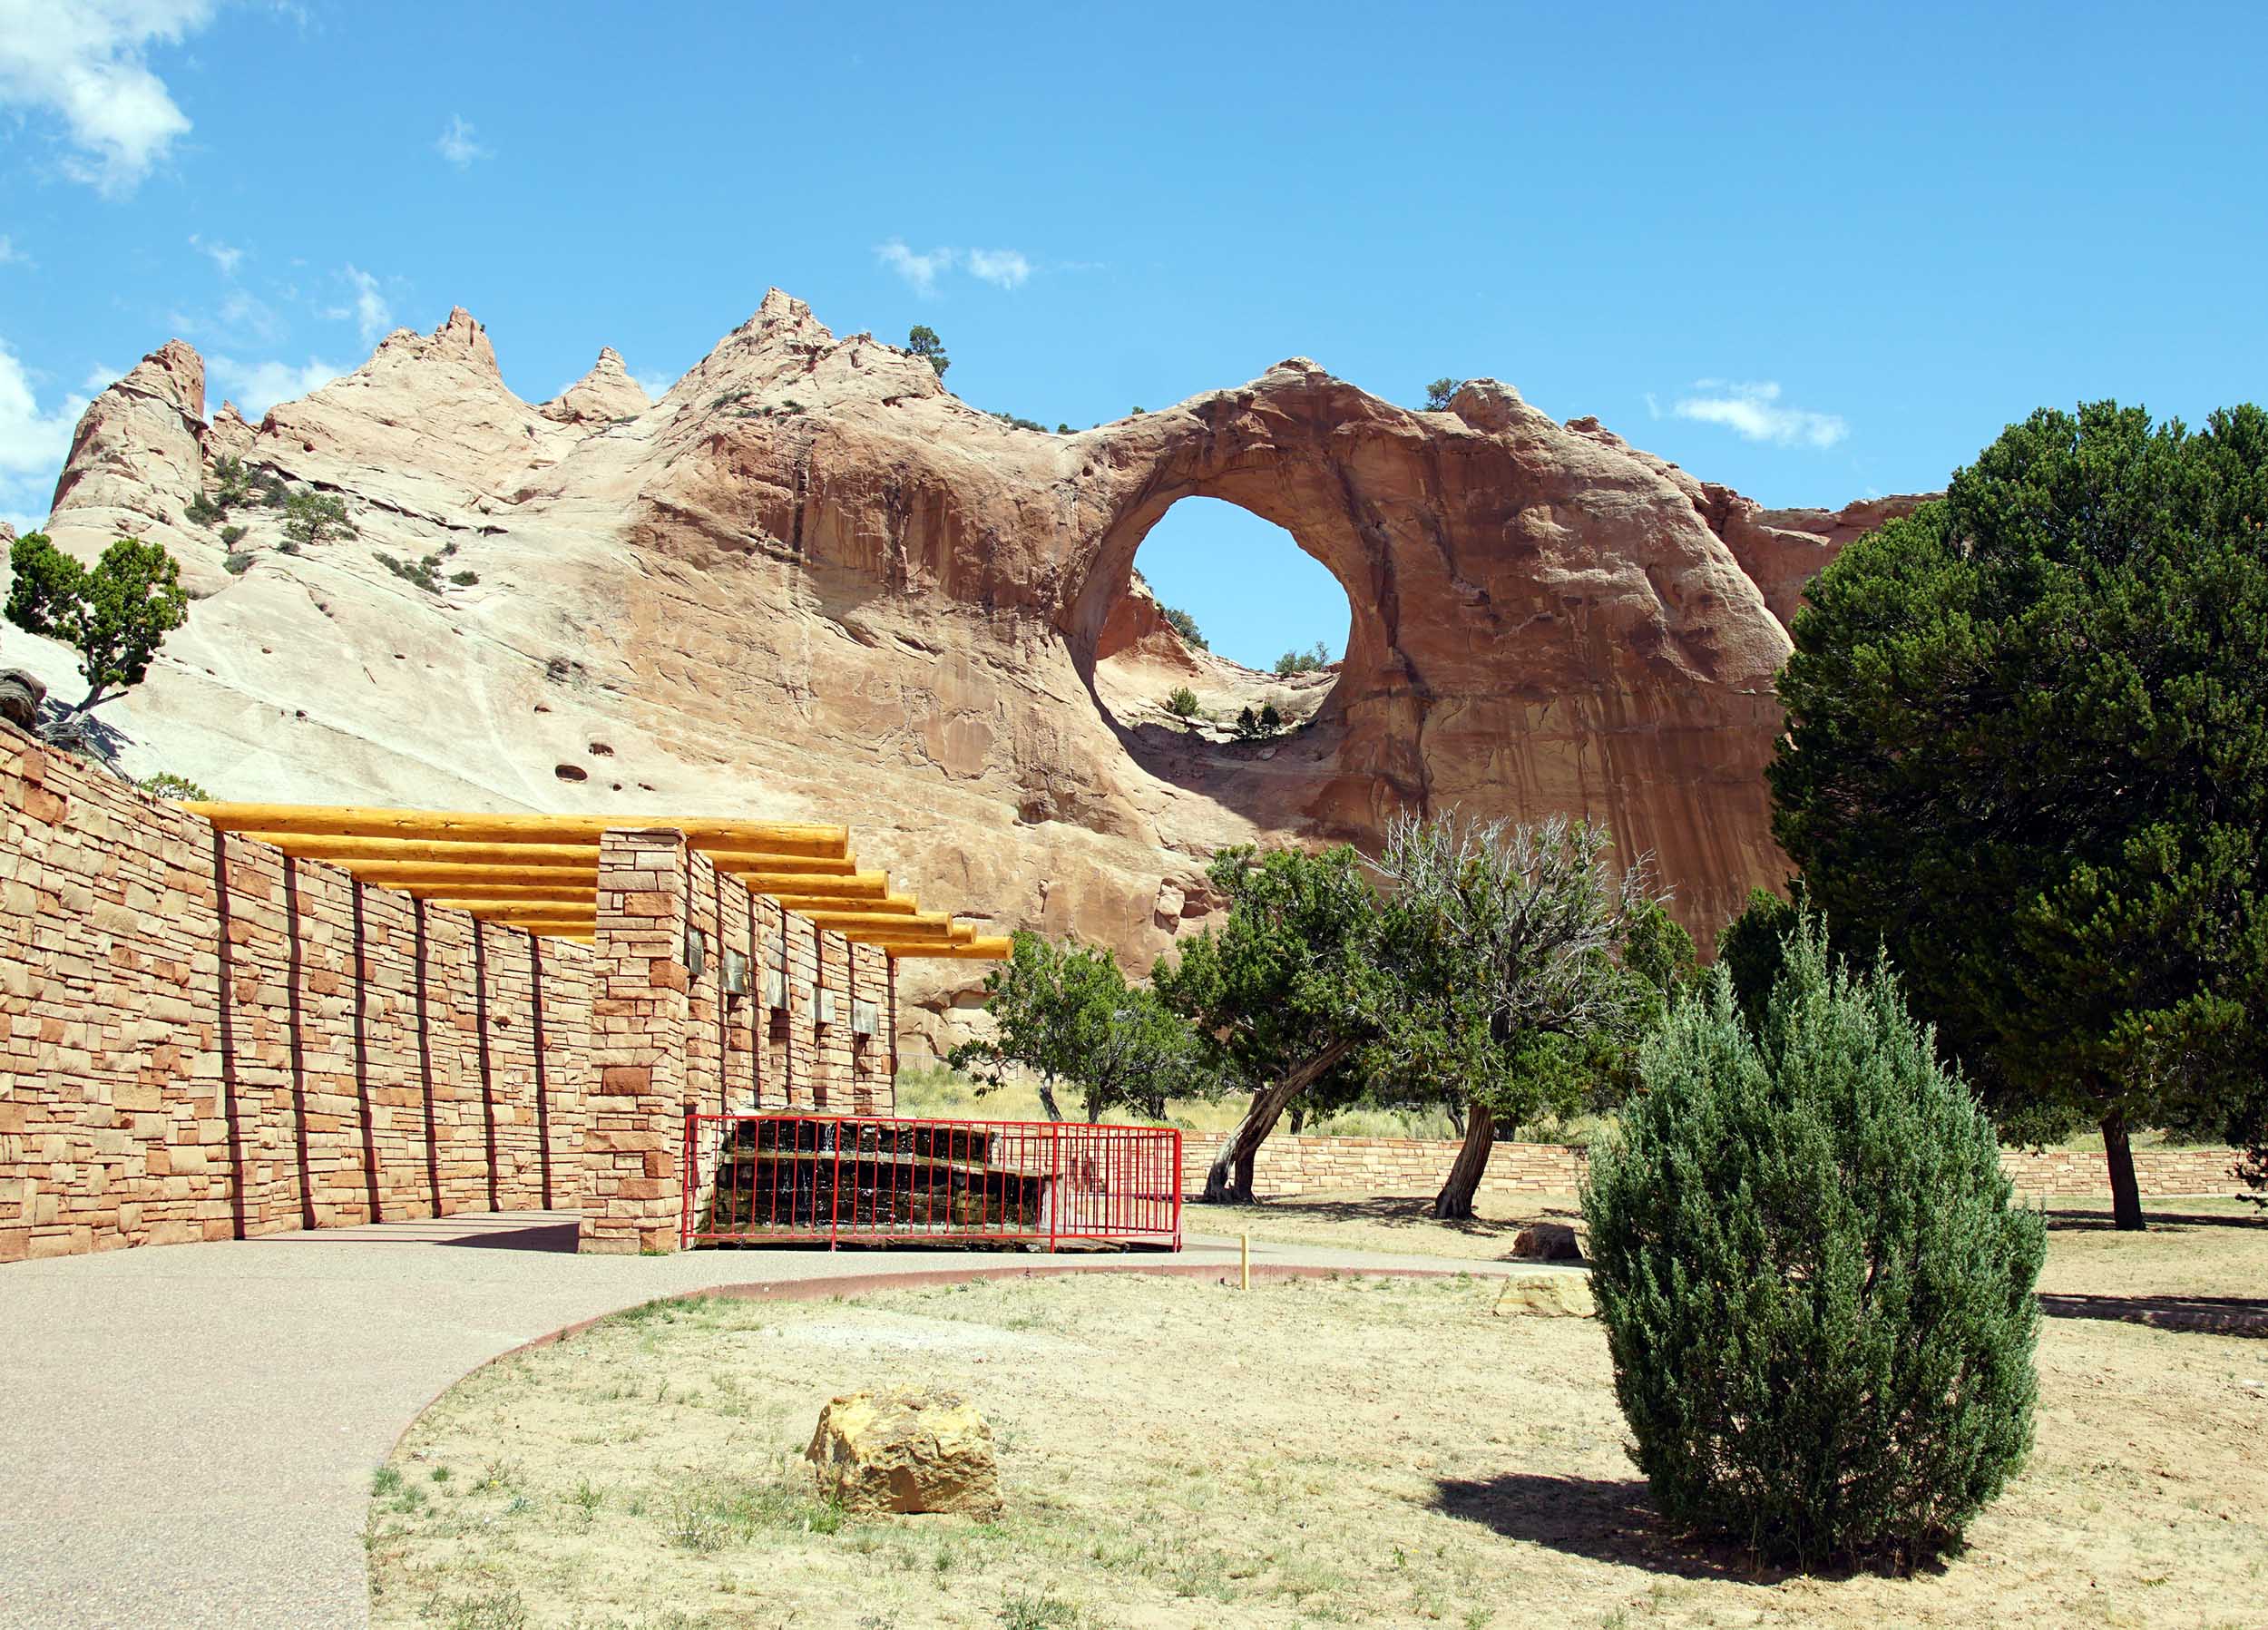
<point>225,978</point>
<point>2212,1315</point>
<point>2099,1222</point>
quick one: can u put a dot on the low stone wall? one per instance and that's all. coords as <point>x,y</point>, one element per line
<point>1417,1166</point>
<point>2050,1173</point>
<point>1290,1165</point>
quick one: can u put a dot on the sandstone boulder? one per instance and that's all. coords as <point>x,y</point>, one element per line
<point>1555,1295</point>
<point>21,694</point>
<point>1550,1242</point>
<point>905,1450</point>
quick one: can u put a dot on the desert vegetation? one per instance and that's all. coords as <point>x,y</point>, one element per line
<point>1175,1452</point>
<point>115,614</point>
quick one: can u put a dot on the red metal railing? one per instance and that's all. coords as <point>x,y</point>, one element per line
<point>782,1179</point>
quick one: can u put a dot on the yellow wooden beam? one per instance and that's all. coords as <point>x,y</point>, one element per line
<point>419,876</point>
<point>350,851</point>
<point>456,891</point>
<point>893,905</point>
<point>913,925</point>
<point>986,948</point>
<point>778,837</point>
<point>741,861</point>
<point>526,910</point>
<point>782,886</point>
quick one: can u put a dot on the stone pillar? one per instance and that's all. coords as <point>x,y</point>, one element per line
<point>634,1136</point>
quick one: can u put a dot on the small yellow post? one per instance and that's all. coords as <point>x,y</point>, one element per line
<point>1243,1262</point>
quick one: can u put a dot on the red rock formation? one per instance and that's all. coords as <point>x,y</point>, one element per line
<point>810,581</point>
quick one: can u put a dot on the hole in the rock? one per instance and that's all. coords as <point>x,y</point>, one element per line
<point>1273,618</point>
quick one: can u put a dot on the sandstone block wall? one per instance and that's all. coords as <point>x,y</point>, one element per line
<point>200,1038</point>
<point>1416,1165</point>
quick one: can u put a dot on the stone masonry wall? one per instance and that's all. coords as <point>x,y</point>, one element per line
<point>1415,1166</point>
<point>201,1038</point>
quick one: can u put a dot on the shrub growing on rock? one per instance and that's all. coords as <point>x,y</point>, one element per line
<point>1816,1294</point>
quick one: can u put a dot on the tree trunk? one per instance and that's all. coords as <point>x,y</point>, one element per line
<point>2126,1193</point>
<point>1047,1099</point>
<point>1456,1120</point>
<point>1231,1179</point>
<point>1455,1202</point>
<point>1299,1118</point>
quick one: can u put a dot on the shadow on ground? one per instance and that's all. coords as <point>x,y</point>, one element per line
<point>1605,1519</point>
<point>2217,1315</point>
<point>1410,1211</point>
<point>2099,1222</point>
<point>1611,1520</point>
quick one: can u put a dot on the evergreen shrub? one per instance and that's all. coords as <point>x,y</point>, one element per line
<point>1817,1293</point>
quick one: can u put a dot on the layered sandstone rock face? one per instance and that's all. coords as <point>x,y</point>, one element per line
<point>809,582</point>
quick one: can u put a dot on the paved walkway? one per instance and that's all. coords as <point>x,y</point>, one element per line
<point>187,1432</point>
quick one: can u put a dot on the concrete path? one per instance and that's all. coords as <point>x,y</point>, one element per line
<point>187,1432</point>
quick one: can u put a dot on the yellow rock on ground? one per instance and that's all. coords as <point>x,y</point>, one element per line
<point>905,1450</point>
<point>1560,1294</point>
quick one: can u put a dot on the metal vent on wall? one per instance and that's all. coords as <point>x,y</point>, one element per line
<point>865,1017</point>
<point>775,988</point>
<point>826,1013</point>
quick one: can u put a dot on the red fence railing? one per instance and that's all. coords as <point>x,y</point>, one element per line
<point>782,1179</point>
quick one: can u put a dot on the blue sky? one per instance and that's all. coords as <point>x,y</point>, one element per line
<point>1813,251</point>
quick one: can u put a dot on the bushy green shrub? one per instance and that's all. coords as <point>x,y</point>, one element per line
<point>165,784</point>
<point>311,517</point>
<point>1185,625</point>
<point>1182,702</point>
<point>1817,1295</point>
<point>1314,659</point>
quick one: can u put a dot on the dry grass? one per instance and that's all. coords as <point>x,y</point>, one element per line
<point>948,1095</point>
<point>1176,1454</point>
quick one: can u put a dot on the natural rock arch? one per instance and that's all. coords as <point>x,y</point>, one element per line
<point>809,581</point>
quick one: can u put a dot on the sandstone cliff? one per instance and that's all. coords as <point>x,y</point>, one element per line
<point>810,583</point>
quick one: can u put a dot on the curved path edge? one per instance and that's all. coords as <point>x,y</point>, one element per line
<point>190,1429</point>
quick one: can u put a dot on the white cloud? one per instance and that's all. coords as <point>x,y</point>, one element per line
<point>242,318</point>
<point>1007,268</point>
<point>456,143</point>
<point>256,387</point>
<point>655,386</point>
<point>33,445</point>
<point>11,255</point>
<point>82,60</point>
<point>372,314</point>
<point>221,254</point>
<point>100,378</point>
<point>920,271</point>
<point>1752,410</point>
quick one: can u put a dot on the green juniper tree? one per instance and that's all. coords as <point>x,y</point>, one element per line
<point>1506,947</point>
<point>2027,752</point>
<point>924,343</point>
<point>115,614</point>
<point>1440,392</point>
<point>1749,948</point>
<point>1185,625</point>
<point>1283,992</point>
<point>1066,1014</point>
<point>1816,1292</point>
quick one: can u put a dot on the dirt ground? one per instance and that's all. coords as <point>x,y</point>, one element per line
<point>2192,1248</point>
<point>1176,1453</point>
